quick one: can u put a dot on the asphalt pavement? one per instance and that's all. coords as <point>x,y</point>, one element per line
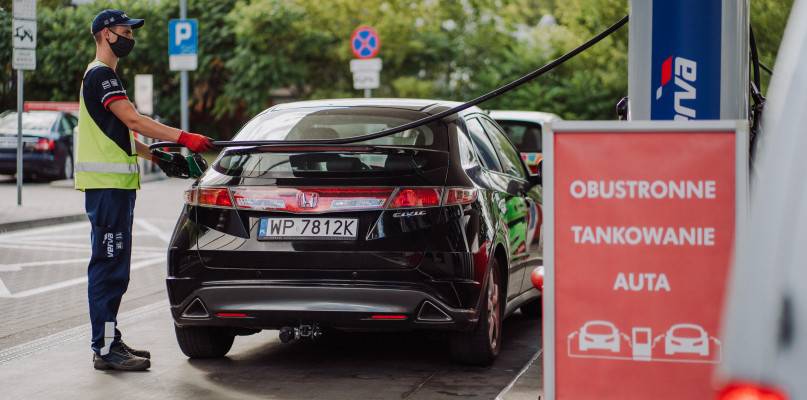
<point>48,204</point>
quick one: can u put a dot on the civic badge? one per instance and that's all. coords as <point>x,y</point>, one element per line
<point>308,199</point>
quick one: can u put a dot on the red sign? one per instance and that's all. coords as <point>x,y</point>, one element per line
<point>644,226</point>
<point>365,42</point>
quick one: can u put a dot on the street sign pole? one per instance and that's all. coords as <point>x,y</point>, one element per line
<point>23,42</point>
<point>183,80</point>
<point>19,135</point>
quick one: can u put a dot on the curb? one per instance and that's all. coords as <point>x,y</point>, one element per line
<point>62,219</point>
<point>40,222</point>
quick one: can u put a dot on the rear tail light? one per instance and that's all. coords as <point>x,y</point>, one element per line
<point>190,196</point>
<point>44,144</point>
<point>460,196</point>
<point>416,198</point>
<point>749,391</point>
<point>327,199</point>
<point>218,197</point>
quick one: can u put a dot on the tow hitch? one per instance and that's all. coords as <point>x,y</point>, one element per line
<point>288,333</point>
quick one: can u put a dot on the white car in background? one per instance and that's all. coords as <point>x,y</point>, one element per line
<point>524,128</point>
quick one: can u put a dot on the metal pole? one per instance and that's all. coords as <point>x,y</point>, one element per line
<point>367,93</point>
<point>183,80</point>
<point>19,136</point>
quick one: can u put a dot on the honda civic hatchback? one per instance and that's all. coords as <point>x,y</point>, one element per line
<point>432,228</point>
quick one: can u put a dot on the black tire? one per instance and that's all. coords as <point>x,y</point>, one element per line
<point>481,345</point>
<point>67,173</point>
<point>533,309</point>
<point>67,168</point>
<point>204,341</point>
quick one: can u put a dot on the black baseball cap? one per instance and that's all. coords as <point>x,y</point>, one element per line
<point>109,18</point>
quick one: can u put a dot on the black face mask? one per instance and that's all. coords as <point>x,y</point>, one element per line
<point>122,47</point>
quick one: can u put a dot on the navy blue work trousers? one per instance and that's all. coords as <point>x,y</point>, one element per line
<point>111,213</point>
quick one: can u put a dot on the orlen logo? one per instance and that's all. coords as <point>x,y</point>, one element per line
<point>685,76</point>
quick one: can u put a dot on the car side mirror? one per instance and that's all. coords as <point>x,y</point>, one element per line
<point>537,178</point>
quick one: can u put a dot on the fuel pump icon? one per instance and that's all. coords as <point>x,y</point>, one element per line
<point>642,343</point>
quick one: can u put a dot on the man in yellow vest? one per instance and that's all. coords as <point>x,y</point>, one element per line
<point>107,171</point>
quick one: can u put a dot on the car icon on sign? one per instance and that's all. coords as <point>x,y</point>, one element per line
<point>601,335</point>
<point>686,338</point>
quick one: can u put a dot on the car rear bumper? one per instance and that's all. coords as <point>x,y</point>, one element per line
<point>345,307</point>
<point>31,164</point>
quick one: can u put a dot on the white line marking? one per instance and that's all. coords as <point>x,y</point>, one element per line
<point>76,281</point>
<point>79,332</point>
<point>48,263</point>
<point>50,247</point>
<point>70,247</point>
<point>159,233</point>
<point>523,370</point>
<point>4,290</point>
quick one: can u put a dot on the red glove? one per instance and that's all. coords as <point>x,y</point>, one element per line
<point>195,143</point>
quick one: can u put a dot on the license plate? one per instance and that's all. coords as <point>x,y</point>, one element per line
<point>308,228</point>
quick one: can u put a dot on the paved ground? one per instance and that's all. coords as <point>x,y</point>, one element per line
<point>49,204</point>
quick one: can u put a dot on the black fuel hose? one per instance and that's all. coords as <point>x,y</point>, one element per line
<point>431,118</point>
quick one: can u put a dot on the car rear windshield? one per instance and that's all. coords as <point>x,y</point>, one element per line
<point>36,123</point>
<point>414,150</point>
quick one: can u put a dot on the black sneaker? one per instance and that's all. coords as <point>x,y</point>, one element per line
<point>121,360</point>
<point>139,353</point>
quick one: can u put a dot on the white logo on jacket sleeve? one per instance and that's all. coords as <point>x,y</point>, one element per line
<point>106,85</point>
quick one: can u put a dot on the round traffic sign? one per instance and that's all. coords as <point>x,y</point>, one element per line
<point>365,42</point>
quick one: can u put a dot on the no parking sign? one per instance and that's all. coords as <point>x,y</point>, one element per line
<point>641,220</point>
<point>365,42</point>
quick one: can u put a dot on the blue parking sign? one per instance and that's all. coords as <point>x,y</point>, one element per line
<point>182,44</point>
<point>182,36</point>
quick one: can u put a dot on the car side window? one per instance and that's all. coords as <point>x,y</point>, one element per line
<point>467,156</point>
<point>509,156</point>
<point>65,127</point>
<point>483,145</point>
<point>526,136</point>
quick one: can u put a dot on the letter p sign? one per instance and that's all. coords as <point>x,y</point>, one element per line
<point>182,44</point>
<point>184,31</point>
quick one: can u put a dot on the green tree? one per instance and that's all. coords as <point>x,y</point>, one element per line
<point>255,53</point>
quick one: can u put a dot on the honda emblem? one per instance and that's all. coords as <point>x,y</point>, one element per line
<point>308,200</point>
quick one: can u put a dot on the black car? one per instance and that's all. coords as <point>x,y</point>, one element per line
<point>433,228</point>
<point>47,144</point>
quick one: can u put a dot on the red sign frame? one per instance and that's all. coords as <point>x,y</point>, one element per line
<point>641,221</point>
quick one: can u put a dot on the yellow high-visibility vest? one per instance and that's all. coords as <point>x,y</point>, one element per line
<point>100,163</point>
